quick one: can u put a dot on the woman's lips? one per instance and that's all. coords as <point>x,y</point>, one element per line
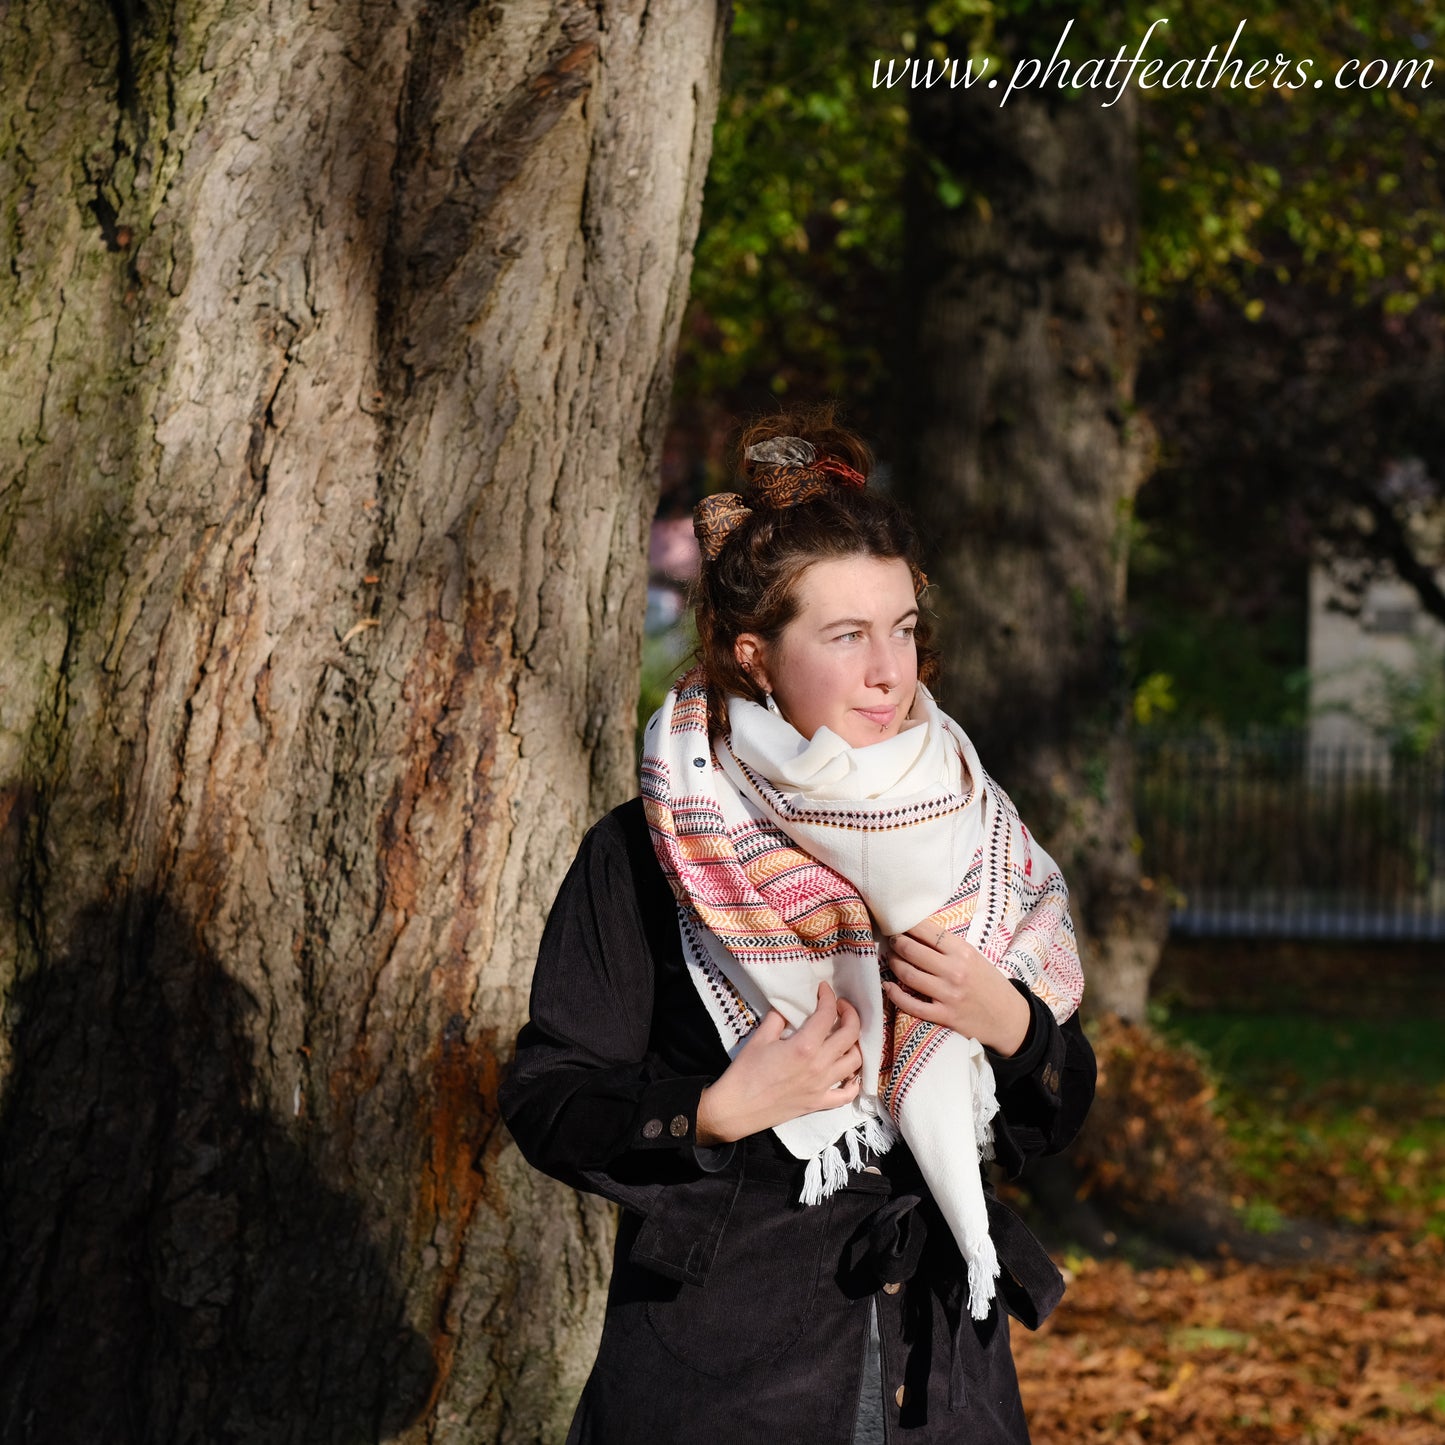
<point>878,716</point>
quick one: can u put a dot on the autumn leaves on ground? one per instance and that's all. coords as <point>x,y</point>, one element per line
<point>1324,1321</point>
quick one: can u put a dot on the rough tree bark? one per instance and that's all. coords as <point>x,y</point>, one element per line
<point>338,340</point>
<point>1024,456</point>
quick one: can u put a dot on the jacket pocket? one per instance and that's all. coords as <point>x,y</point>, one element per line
<point>679,1234</point>
<point>759,1291</point>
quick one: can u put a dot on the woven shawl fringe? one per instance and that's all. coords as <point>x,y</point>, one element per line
<point>982,1261</point>
<point>827,1172</point>
<point>985,1106</point>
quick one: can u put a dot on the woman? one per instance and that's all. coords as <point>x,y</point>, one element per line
<point>790,999</point>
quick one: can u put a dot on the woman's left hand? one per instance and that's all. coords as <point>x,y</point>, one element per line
<point>948,981</point>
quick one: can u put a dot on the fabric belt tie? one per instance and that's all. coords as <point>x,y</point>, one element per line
<point>890,1246</point>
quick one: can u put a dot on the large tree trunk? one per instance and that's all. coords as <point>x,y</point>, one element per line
<point>338,340</point>
<point>1024,459</point>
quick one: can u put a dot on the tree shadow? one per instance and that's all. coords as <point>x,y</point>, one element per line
<point>172,1267</point>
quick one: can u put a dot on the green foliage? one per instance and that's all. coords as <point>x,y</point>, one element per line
<point>795,269</point>
<point>665,657</point>
<point>1331,186</point>
<point>1216,670</point>
<point>801,233</point>
<point>1154,698</point>
<point>801,221</point>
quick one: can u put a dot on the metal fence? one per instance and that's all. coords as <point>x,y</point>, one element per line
<point>1274,837</point>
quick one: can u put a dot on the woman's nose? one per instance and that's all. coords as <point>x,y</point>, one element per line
<point>883,668</point>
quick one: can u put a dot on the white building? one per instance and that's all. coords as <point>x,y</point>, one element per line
<point>1352,657</point>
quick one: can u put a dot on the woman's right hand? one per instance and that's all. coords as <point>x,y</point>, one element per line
<point>773,1079</point>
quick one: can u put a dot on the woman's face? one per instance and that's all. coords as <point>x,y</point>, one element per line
<point>847,661</point>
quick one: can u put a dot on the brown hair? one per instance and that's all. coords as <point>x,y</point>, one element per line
<point>751,585</point>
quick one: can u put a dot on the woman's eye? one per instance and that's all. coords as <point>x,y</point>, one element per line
<point>847,636</point>
<point>907,631</point>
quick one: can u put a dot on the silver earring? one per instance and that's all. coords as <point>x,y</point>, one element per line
<point>771,706</point>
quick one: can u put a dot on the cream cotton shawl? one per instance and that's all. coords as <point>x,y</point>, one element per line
<point>793,860</point>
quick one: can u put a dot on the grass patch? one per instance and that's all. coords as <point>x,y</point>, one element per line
<point>1294,1051</point>
<point>1208,1337</point>
<point>1259,1216</point>
<point>1333,1120</point>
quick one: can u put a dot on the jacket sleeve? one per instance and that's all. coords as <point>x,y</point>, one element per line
<point>587,1100</point>
<point>1044,1090</point>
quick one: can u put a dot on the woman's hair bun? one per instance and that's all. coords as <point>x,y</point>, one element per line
<point>817,425</point>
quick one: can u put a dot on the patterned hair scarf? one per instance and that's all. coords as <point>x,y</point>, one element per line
<point>792,862</point>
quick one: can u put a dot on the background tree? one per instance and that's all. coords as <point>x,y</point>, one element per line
<point>1022,458</point>
<point>338,350</point>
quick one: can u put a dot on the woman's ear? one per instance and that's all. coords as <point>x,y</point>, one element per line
<point>748,650</point>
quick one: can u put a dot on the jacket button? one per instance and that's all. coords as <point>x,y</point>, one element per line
<point>892,1287</point>
<point>678,1127</point>
<point>652,1129</point>
<point>901,1396</point>
<point>871,1169</point>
